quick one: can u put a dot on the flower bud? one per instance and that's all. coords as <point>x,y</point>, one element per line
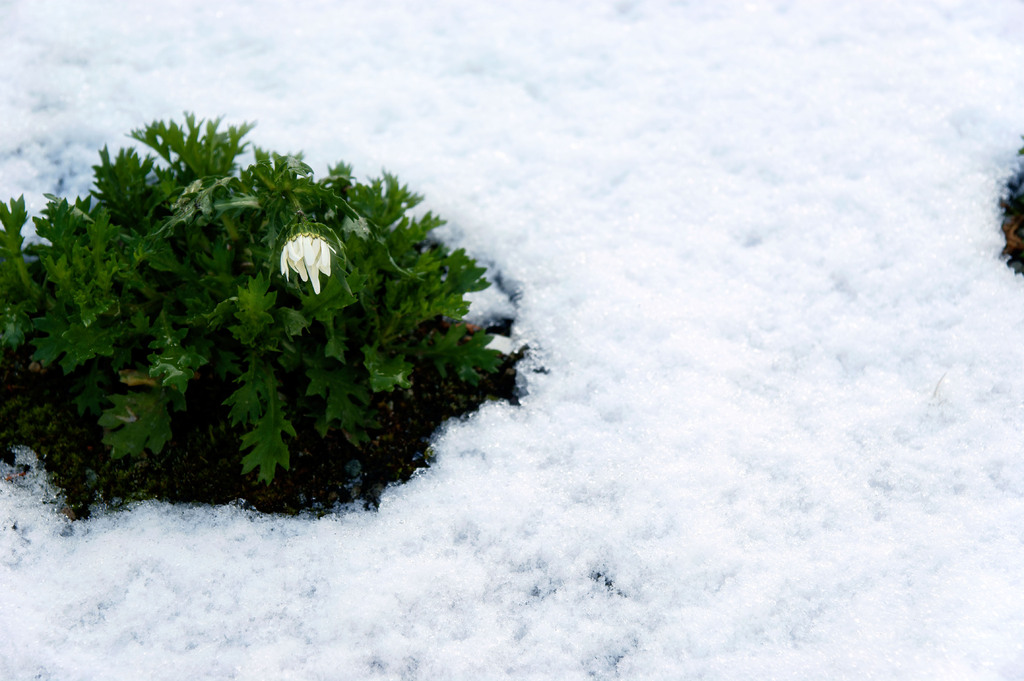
<point>309,255</point>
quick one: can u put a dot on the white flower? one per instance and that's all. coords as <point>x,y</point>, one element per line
<point>309,255</point>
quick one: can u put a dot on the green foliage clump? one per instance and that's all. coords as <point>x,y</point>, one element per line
<point>174,275</point>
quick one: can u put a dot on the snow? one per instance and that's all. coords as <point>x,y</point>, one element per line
<point>772,417</point>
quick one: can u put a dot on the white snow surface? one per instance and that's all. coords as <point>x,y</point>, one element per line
<point>772,422</point>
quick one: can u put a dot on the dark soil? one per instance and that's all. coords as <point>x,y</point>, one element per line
<point>202,462</point>
<point>1013,221</point>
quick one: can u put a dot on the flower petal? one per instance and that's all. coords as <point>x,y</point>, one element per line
<point>311,252</point>
<point>299,267</point>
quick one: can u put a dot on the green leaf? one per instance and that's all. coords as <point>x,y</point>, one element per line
<point>335,346</point>
<point>346,398</point>
<point>137,421</point>
<point>236,203</point>
<point>254,304</point>
<point>129,189</point>
<point>16,283</point>
<point>61,223</point>
<point>81,343</point>
<point>335,296</point>
<point>12,219</point>
<point>464,275</point>
<point>266,441</point>
<point>173,363</point>
<point>293,321</point>
<point>384,201</point>
<point>465,355</point>
<point>14,324</point>
<point>247,401</point>
<point>50,346</point>
<point>197,204</point>
<point>195,150</point>
<point>175,366</point>
<point>358,228</point>
<point>73,343</point>
<point>90,389</point>
<point>386,373</point>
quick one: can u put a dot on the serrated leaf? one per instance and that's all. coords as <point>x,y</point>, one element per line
<point>128,188</point>
<point>197,203</point>
<point>346,399</point>
<point>246,401</point>
<point>74,344</point>
<point>335,296</point>
<point>12,219</point>
<point>464,275</point>
<point>90,390</point>
<point>253,305</point>
<point>268,448</point>
<point>386,373</point>
<point>223,311</point>
<point>195,150</point>
<point>452,350</point>
<point>14,324</point>
<point>137,421</point>
<point>175,366</point>
<point>335,346</point>
<point>50,345</point>
<point>293,321</point>
<point>173,363</point>
<point>358,228</point>
<point>81,343</point>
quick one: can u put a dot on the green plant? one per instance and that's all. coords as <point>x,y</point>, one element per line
<point>177,270</point>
